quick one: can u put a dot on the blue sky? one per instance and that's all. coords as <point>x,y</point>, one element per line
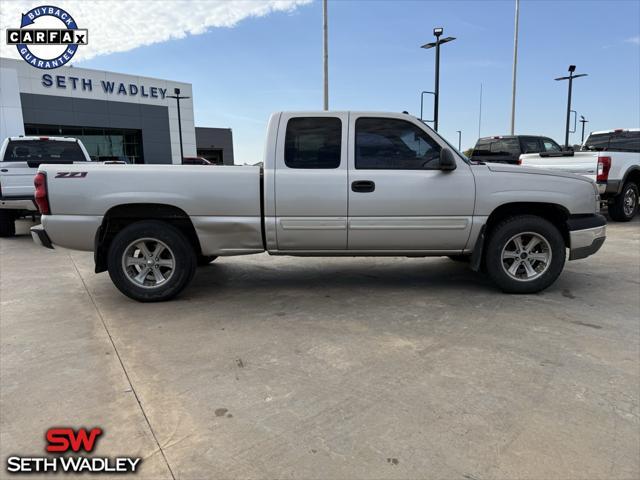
<point>243,73</point>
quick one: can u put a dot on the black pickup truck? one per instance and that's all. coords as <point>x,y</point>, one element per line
<point>508,148</point>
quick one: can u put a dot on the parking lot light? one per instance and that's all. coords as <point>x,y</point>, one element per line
<point>178,98</point>
<point>437,31</point>
<point>583,121</point>
<point>572,68</point>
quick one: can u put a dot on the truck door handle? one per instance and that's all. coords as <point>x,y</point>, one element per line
<point>4,170</point>
<point>363,186</point>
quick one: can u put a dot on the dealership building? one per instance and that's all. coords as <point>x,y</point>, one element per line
<point>114,115</point>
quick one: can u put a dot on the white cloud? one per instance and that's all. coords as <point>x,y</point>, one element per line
<point>119,26</point>
<point>635,40</point>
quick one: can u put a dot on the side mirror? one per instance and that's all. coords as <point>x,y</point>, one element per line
<point>447,160</point>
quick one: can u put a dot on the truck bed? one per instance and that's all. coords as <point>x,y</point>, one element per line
<point>223,202</point>
<point>579,163</point>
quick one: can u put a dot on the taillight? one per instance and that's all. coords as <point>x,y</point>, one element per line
<point>519,162</point>
<point>604,165</point>
<point>42,200</point>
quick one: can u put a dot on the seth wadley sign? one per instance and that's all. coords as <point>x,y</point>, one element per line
<point>108,87</point>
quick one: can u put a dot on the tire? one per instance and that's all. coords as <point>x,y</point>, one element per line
<point>545,260</point>
<point>205,259</point>
<point>7,224</point>
<point>460,258</point>
<point>126,261</point>
<point>625,205</point>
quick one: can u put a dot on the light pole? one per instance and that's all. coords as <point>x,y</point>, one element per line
<point>178,98</point>
<point>459,139</point>
<point>583,121</point>
<point>480,111</point>
<point>325,55</point>
<point>515,64</point>
<point>437,32</point>
<point>572,68</point>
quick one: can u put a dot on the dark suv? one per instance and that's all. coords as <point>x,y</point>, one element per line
<point>508,148</point>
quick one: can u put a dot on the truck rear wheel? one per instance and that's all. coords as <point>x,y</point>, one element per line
<point>525,254</point>
<point>7,223</point>
<point>151,261</point>
<point>625,205</point>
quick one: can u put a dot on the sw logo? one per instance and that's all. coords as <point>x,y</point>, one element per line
<point>48,47</point>
<point>65,440</point>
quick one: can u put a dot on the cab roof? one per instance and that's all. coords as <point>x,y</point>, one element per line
<point>42,137</point>
<point>615,130</point>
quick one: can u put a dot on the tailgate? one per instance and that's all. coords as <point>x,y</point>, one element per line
<point>580,163</point>
<point>16,180</point>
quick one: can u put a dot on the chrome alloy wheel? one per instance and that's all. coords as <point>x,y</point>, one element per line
<point>526,256</point>
<point>148,262</point>
<point>629,202</point>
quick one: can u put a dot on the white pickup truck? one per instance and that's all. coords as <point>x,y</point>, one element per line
<point>612,158</point>
<point>19,161</point>
<point>333,183</point>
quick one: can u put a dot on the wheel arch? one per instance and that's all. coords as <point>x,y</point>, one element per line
<point>121,216</point>
<point>553,212</point>
<point>633,174</point>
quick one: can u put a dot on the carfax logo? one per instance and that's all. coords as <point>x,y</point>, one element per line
<point>48,37</point>
<point>64,441</point>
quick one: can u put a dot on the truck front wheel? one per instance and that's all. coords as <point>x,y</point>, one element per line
<point>151,261</point>
<point>7,223</point>
<point>625,205</point>
<point>525,254</point>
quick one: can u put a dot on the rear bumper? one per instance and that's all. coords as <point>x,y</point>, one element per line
<point>610,187</point>
<point>586,235</point>
<point>40,237</point>
<point>25,204</point>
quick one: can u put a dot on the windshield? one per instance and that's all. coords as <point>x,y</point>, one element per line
<point>613,142</point>
<point>42,151</point>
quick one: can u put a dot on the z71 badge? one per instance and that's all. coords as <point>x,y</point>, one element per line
<point>71,174</point>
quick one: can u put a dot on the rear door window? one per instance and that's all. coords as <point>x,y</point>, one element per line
<point>43,151</point>
<point>614,142</point>
<point>625,142</point>
<point>498,147</point>
<point>530,144</point>
<point>313,142</point>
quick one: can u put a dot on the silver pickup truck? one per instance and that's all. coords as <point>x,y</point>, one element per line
<point>333,183</point>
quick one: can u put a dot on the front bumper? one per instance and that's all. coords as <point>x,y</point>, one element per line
<point>40,237</point>
<point>586,235</point>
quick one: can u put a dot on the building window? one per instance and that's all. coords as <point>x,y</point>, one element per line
<point>102,144</point>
